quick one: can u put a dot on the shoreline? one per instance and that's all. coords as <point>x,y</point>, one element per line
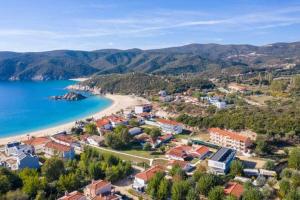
<point>119,102</point>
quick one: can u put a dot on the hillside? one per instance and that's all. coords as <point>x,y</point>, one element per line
<point>140,83</point>
<point>193,58</point>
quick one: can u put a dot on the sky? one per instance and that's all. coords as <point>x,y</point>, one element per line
<point>42,25</point>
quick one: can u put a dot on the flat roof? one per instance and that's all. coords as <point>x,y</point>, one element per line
<point>223,154</point>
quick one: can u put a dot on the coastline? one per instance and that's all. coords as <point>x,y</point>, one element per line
<point>119,102</point>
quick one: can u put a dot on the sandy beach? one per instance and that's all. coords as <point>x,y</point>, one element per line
<point>119,102</point>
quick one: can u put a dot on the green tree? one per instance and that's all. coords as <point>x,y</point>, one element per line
<point>163,189</point>
<point>15,195</point>
<point>154,183</point>
<point>262,147</point>
<point>216,193</point>
<point>91,129</point>
<point>269,165</point>
<point>292,195</point>
<point>133,123</point>
<point>284,187</point>
<point>180,190</point>
<point>53,168</point>
<point>252,194</point>
<point>95,170</point>
<point>192,194</point>
<point>4,184</point>
<point>68,182</point>
<point>41,195</point>
<point>147,146</point>
<point>278,85</point>
<point>294,158</point>
<point>206,183</point>
<point>236,168</point>
<point>230,197</point>
<point>155,133</point>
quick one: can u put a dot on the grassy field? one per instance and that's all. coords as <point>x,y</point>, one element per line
<point>126,157</point>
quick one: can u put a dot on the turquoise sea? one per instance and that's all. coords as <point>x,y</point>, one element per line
<point>25,106</point>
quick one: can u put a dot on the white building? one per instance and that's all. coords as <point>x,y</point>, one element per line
<point>229,139</point>
<point>141,179</point>
<point>142,108</point>
<point>220,162</point>
<point>169,126</point>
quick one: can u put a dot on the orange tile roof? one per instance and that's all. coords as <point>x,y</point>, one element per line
<point>96,185</point>
<point>232,135</point>
<point>57,146</point>
<point>75,195</point>
<point>149,173</point>
<point>64,138</point>
<point>37,141</point>
<point>180,151</point>
<point>234,189</point>
<point>102,122</point>
<point>114,118</point>
<point>167,121</point>
<point>202,150</point>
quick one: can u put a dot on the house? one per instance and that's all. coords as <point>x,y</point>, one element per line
<point>103,124</point>
<point>75,195</point>
<point>98,188</point>
<point>142,108</point>
<point>184,165</point>
<point>169,126</point>
<point>141,179</point>
<point>68,140</point>
<point>135,131</point>
<point>201,152</point>
<point>234,189</point>
<point>56,149</point>
<point>220,162</point>
<point>229,139</point>
<point>179,153</point>
<point>161,140</point>
<point>127,113</point>
<point>38,143</point>
<point>116,120</point>
<point>22,160</point>
<point>95,140</point>
<point>15,148</point>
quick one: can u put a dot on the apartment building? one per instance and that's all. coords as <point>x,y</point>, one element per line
<point>233,140</point>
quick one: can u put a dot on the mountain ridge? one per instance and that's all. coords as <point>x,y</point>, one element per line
<point>191,58</point>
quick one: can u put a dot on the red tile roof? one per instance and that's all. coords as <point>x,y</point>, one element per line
<point>232,135</point>
<point>234,189</point>
<point>37,141</point>
<point>202,150</point>
<point>64,138</point>
<point>180,151</point>
<point>58,147</point>
<point>108,197</point>
<point>149,173</point>
<point>167,121</point>
<point>102,122</point>
<point>116,119</point>
<point>72,196</point>
<point>96,185</point>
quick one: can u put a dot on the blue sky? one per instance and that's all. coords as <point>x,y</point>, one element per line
<point>42,25</point>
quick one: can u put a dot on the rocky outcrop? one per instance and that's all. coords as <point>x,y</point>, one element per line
<point>70,96</point>
<point>85,88</point>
